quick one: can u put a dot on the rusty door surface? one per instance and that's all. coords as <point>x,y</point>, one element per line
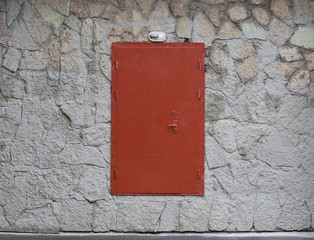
<point>157,119</point>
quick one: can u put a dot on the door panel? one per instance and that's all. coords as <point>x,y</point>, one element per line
<point>157,118</point>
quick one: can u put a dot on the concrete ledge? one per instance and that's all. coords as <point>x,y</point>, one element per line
<point>160,236</point>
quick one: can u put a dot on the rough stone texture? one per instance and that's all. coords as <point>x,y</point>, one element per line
<point>238,13</point>
<point>203,30</point>
<point>169,220</point>
<point>304,37</point>
<point>261,16</point>
<point>252,29</point>
<point>145,5</point>
<point>55,114</point>
<point>137,22</point>
<point>256,2</point>
<point>280,32</point>
<point>95,135</point>
<point>56,136</point>
<point>76,215</point>
<point>184,27</point>
<point>92,184</point>
<point>194,216</point>
<point>219,58</point>
<point>70,40</point>
<point>36,60</point>
<point>3,24</point>
<point>281,8</point>
<point>267,212</point>
<point>239,49</point>
<point>248,68</point>
<point>229,30</point>
<point>73,22</point>
<point>272,154</point>
<point>41,219</point>
<point>299,82</point>
<point>213,14</point>
<point>223,133</point>
<point>139,216</point>
<point>161,18</point>
<point>303,11</point>
<point>86,32</point>
<point>179,7</point>
<point>62,6</point>
<point>11,59</point>
<point>105,66</point>
<point>95,9</point>
<point>78,7</point>
<point>35,24</point>
<point>309,57</point>
<point>215,154</point>
<point>289,54</point>
<point>295,216</point>
<point>13,9</point>
<point>20,37</point>
<point>54,18</point>
<point>11,87</point>
<point>266,52</point>
<point>104,216</point>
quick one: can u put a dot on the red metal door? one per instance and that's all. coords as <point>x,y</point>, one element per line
<point>157,119</point>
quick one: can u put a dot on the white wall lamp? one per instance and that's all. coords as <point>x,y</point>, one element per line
<point>157,36</point>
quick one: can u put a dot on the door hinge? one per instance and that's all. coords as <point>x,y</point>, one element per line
<point>199,94</point>
<point>116,94</point>
<point>198,173</point>
<point>199,64</point>
<point>115,173</point>
<point>116,64</point>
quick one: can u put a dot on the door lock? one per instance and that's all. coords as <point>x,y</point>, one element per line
<point>174,126</point>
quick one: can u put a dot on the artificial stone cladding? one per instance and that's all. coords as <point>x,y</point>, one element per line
<point>55,115</point>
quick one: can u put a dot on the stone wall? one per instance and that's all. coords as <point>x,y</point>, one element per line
<point>55,115</point>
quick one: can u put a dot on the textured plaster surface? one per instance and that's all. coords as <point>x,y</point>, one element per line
<point>55,92</point>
